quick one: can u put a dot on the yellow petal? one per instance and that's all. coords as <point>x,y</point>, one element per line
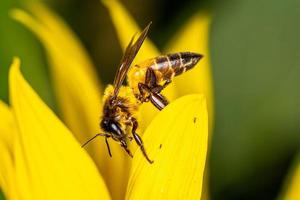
<point>291,189</point>
<point>50,164</point>
<point>77,90</point>
<point>7,132</point>
<point>194,36</point>
<point>7,173</point>
<point>6,126</point>
<point>126,27</point>
<point>75,81</point>
<point>177,142</point>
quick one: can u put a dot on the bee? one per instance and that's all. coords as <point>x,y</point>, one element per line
<point>145,80</point>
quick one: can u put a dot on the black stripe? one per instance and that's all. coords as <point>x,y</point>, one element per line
<point>161,59</point>
<point>173,56</point>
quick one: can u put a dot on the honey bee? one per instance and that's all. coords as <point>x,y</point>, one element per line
<point>146,80</point>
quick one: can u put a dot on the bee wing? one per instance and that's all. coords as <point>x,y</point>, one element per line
<point>128,57</point>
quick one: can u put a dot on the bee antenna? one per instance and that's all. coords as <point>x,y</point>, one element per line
<point>98,134</point>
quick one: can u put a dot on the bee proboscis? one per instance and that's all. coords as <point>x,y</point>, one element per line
<point>145,80</point>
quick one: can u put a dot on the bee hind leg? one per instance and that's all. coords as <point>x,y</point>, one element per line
<point>158,100</point>
<point>150,90</point>
<point>145,88</point>
<point>159,88</point>
<point>151,82</point>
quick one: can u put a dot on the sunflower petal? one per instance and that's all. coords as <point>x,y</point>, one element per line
<point>177,142</point>
<point>126,28</point>
<point>199,79</point>
<point>6,125</point>
<point>194,36</point>
<point>7,132</point>
<point>50,164</point>
<point>75,81</point>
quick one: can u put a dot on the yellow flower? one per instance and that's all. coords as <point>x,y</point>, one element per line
<point>42,159</point>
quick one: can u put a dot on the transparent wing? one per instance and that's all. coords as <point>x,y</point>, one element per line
<point>128,57</point>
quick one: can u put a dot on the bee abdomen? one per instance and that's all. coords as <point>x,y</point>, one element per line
<point>175,64</point>
<point>183,61</point>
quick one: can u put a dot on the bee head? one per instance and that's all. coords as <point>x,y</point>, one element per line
<point>111,126</point>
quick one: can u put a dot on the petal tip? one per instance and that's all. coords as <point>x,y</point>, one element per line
<point>15,66</point>
<point>16,13</point>
<point>106,2</point>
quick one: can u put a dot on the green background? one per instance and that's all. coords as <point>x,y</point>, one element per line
<point>255,61</point>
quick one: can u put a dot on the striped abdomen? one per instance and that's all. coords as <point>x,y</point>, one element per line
<point>165,67</point>
<point>175,64</point>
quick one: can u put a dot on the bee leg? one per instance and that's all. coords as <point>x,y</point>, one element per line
<point>159,88</point>
<point>151,81</point>
<point>151,86</point>
<point>167,83</point>
<point>107,145</point>
<point>139,140</point>
<point>124,145</point>
<point>106,141</point>
<point>158,100</point>
<point>130,138</point>
<point>144,89</point>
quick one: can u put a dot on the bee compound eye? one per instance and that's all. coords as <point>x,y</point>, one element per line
<point>115,129</point>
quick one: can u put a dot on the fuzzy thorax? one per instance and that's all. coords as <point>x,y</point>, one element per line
<point>125,95</point>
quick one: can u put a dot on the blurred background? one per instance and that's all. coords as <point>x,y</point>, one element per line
<point>255,57</point>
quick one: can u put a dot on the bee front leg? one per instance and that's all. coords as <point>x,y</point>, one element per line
<point>139,140</point>
<point>124,145</point>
